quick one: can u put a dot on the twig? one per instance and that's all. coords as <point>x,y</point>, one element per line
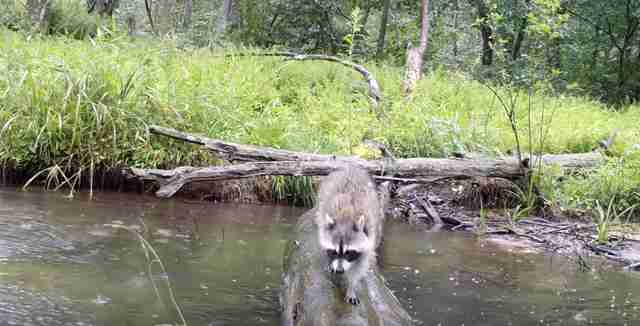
<point>557,229</point>
<point>147,247</point>
<point>430,210</point>
<point>632,267</point>
<point>404,180</point>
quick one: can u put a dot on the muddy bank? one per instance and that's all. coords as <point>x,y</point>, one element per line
<point>456,203</point>
<point>258,190</point>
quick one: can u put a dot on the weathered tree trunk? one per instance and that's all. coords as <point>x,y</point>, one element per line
<point>310,297</point>
<point>165,17</point>
<point>413,70</point>
<point>39,13</point>
<point>383,29</point>
<point>226,17</point>
<point>188,13</point>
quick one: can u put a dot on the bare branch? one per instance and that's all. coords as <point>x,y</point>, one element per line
<point>375,95</point>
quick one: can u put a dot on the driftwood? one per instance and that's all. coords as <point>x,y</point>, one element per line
<point>239,152</point>
<point>423,170</point>
<point>310,297</point>
<point>271,161</point>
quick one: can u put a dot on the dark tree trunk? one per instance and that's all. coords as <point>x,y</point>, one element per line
<point>148,7</point>
<point>520,35</point>
<point>383,28</point>
<point>131,25</point>
<point>456,8</point>
<point>517,43</point>
<point>485,31</point>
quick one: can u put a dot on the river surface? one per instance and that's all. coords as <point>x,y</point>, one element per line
<point>71,262</point>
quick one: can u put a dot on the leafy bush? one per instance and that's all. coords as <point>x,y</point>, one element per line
<point>70,17</point>
<point>66,17</point>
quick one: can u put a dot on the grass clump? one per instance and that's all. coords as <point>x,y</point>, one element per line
<point>78,104</point>
<point>617,182</point>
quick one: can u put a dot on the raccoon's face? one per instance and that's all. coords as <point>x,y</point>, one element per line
<point>344,242</point>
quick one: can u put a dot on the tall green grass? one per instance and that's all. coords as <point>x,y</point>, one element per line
<point>77,104</point>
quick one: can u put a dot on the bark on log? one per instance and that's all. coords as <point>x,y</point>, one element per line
<point>309,297</point>
<point>271,161</point>
<point>239,152</point>
<point>414,168</point>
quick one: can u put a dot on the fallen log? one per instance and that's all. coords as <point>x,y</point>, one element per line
<point>418,169</point>
<point>310,297</point>
<point>240,152</point>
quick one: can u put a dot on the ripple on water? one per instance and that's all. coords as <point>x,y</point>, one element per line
<point>23,307</point>
<point>60,265</point>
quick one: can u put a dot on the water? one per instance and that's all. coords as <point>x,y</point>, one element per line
<point>63,263</point>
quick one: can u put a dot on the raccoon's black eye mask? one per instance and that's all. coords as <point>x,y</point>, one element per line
<point>349,255</point>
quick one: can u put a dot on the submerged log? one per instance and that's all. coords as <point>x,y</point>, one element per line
<point>310,297</point>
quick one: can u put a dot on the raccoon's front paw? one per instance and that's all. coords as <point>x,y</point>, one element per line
<point>352,298</point>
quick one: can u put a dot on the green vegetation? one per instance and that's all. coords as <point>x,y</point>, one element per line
<point>79,105</point>
<point>66,17</point>
<point>605,218</point>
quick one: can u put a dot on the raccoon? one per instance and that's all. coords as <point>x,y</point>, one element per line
<point>349,221</point>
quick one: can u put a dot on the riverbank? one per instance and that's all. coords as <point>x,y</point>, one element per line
<point>75,109</point>
<point>547,230</point>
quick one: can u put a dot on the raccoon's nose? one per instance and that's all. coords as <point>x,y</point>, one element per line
<point>336,268</point>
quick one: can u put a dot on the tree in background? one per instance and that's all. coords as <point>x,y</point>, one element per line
<point>588,47</point>
<point>603,54</point>
<point>39,13</point>
<point>413,69</point>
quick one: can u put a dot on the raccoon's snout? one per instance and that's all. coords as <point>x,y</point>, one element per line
<point>339,266</point>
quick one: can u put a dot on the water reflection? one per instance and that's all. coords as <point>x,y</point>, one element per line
<point>62,264</point>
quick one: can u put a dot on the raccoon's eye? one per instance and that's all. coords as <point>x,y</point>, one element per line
<point>351,255</point>
<point>332,253</point>
<point>355,228</point>
<point>331,226</point>
<point>365,230</point>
